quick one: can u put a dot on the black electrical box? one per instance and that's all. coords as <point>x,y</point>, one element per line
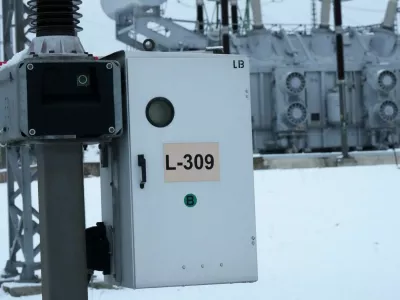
<point>73,98</point>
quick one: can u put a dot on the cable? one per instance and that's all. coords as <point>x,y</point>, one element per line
<point>364,9</point>
<point>353,21</point>
<point>271,1</point>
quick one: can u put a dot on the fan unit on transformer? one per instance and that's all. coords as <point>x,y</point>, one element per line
<point>383,80</point>
<point>294,83</point>
<point>296,114</point>
<point>387,111</point>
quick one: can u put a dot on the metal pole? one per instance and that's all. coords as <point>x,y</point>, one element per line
<point>20,37</point>
<point>62,219</point>
<point>200,15</point>
<point>234,16</point>
<point>337,8</point>
<point>225,26</point>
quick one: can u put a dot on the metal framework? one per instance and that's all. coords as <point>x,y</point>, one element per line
<point>22,226</point>
<point>314,20</point>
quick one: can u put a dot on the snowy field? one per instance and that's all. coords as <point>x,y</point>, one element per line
<point>330,234</point>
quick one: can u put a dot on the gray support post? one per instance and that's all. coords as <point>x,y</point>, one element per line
<point>62,220</point>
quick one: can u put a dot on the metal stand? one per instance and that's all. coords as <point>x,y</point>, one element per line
<point>22,227</point>
<point>62,219</point>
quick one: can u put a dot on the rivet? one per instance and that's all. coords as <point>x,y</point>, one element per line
<point>184,267</point>
<point>221,264</point>
<point>202,266</point>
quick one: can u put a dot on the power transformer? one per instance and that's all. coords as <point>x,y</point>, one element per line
<point>294,90</point>
<point>295,101</point>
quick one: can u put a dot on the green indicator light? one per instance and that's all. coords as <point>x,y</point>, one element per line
<point>190,200</point>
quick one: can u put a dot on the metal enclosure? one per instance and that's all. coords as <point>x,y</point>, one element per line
<point>181,203</point>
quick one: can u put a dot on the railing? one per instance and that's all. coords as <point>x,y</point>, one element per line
<point>289,27</point>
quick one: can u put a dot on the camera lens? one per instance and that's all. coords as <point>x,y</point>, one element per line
<point>83,80</point>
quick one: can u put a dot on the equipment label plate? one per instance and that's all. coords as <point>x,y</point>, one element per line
<point>191,162</point>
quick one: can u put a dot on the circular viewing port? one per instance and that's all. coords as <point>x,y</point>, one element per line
<point>160,112</point>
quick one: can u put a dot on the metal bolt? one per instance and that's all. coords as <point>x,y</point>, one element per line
<point>111,130</point>
<point>184,267</point>
<point>221,264</point>
<point>32,131</point>
<point>109,66</point>
<point>29,67</point>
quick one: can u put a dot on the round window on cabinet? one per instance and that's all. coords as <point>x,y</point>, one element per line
<point>160,112</point>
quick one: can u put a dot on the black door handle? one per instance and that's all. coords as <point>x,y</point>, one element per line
<point>142,165</point>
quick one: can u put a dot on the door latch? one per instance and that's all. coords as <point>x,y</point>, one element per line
<point>142,165</point>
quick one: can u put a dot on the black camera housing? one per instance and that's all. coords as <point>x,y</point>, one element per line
<point>73,98</point>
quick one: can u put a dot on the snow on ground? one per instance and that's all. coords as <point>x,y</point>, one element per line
<point>322,234</point>
<point>91,154</point>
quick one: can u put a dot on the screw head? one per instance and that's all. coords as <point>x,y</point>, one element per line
<point>32,131</point>
<point>111,130</point>
<point>109,66</point>
<point>29,67</point>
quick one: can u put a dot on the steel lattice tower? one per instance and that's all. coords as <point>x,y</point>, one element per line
<point>22,226</point>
